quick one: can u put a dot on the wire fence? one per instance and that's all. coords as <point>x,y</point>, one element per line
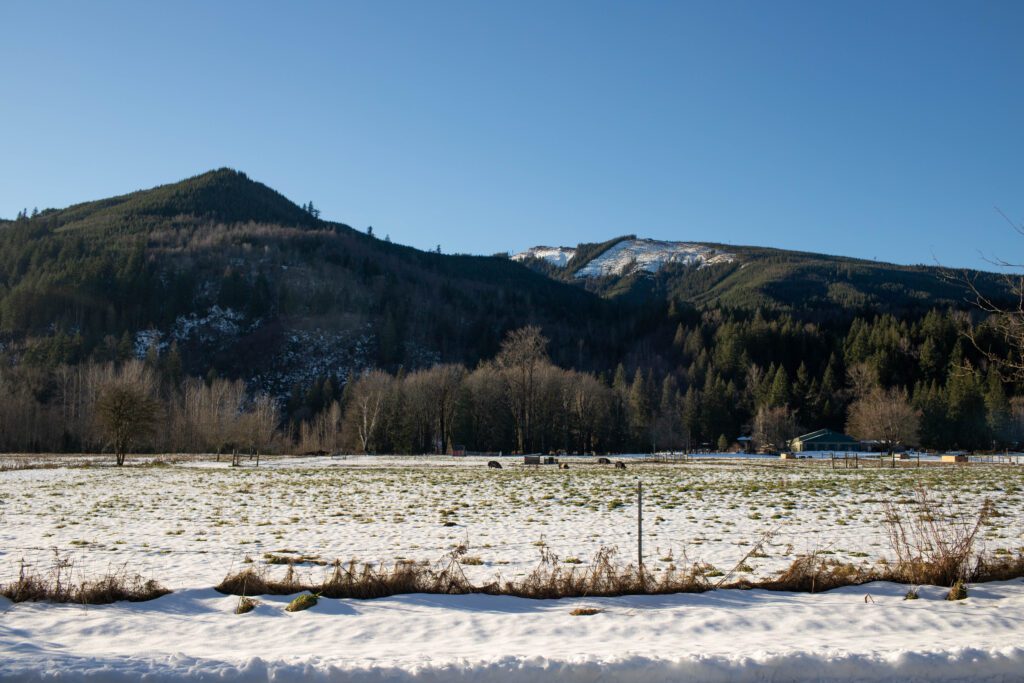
<point>800,531</point>
<point>782,543</point>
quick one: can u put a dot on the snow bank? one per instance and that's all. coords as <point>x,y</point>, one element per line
<point>720,636</point>
<point>979,666</point>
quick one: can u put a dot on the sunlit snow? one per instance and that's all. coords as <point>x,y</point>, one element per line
<point>559,256</point>
<point>631,256</point>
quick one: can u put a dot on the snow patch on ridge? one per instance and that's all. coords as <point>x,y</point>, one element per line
<point>559,256</point>
<point>632,256</point>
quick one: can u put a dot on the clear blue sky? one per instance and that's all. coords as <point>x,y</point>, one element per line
<point>872,129</point>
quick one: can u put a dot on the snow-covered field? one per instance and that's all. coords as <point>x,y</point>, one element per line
<point>188,525</point>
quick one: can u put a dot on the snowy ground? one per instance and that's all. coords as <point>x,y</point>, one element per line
<point>189,524</point>
<point>721,636</point>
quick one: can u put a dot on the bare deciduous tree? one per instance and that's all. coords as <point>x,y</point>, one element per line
<point>222,414</point>
<point>445,382</point>
<point>774,427</point>
<point>366,399</point>
<point>522,353</point>
<point>863,379</point>
<point>127,408</point>
<point>886,416</point>
<point>1005,314</point>
<point>589,405</point>
<point>266,418</point>
<point>484,412</point>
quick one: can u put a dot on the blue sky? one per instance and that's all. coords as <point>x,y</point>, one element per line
<point>887,130</point>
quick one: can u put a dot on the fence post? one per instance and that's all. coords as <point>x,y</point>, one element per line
<point>640,527</point>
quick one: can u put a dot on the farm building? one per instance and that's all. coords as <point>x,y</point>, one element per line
<point>825,440</point>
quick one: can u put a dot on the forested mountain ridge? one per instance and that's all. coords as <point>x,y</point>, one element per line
<point>805,283</point>
<point>222,250</point>
<point>223,195</point>
<point>218,281</point>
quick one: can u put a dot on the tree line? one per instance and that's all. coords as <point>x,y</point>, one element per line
<point>877,388</point>
<point>131,405</point>
<point>723,374</point>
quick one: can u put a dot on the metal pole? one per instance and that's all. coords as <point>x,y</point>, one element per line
<point>640,526</point>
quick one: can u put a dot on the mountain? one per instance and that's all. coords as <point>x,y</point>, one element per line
<point>224,196</point>
<point>704,274</point>
<point>223,275</point>
<point>240,281</point>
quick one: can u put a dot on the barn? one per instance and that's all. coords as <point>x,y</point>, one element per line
<point>825,440</point>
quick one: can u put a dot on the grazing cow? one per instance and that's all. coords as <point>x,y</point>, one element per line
<point>619,465</point>
<point>604,461</point>
<point>563,466</point>
<point>494,464</point>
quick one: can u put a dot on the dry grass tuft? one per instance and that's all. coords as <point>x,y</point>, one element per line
<point>302,602</point>
<point>814,573</point>
<point>999,567</point>
<point>58,585</point>
<point>601,578</point>
<point>367,581</point>
<point>257,581</point>
<point>933,543</point>
<point>360,581</point>
<point>118,587</point>
<point>958,591</point>
<point>585,611</point>
<point>245,605</point>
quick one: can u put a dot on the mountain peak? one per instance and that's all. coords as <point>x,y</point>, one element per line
<point>225,195</point>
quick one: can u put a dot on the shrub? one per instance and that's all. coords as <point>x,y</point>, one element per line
<point>932,543</point>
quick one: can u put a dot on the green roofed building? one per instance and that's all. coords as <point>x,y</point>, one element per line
<point>825,440</point>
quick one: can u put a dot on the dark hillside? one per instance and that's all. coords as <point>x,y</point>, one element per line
<point>219,278</point>
<point>248,284</point>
